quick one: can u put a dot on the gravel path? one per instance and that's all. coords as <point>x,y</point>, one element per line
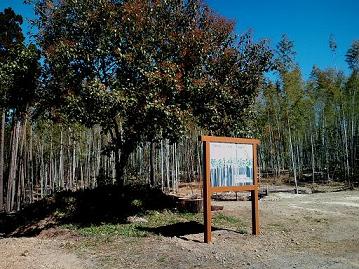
<point>297,231</point>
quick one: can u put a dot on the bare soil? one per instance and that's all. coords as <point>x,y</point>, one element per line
<point>319,230</point>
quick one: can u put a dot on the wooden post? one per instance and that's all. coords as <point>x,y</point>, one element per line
<point>207,214</point>
<point>255,212</point>
<point>254,194</point>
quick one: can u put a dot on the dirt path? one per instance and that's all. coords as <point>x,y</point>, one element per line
<point>35,253</point>
<point>298,231</point>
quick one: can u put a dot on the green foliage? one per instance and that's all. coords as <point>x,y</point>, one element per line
<point>316,121</point>
<point>10,31</point>
<point>285,55</point>
<point>146,70</point>
<point>19,68</point>
<point>352,56</point>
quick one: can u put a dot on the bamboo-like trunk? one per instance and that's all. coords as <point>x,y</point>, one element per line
<point>167,165</point>
<point>73,183</point>
<point>2,142</point>
<point>345,139</point>
<point>42,171</point>
<point>162,166</point>
<point>11,183</point>
<point>293,159</point>
<point>61,162</point>
<point>31,167</point>
<point>152,166</point>
<point>21,166</point>
<point>312,154</point>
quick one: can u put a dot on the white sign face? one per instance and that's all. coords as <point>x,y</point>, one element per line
<point>231,164</point>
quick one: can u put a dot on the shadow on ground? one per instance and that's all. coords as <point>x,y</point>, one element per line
<point>177,229</point>
<point>106,204</point>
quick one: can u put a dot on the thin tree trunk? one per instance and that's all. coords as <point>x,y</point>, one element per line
<point>61,162</point>
<point>42,171</point>
<point>167,165</point>
<point>152,166</point>
<point>10,196</point>
<point>2,142</point>
<point>313,161</point>
<point>31,168</point>
<point>21,167</point>
<point>73,164</point>
<point>162,166</point>
<point>293,159</point>
<point>345,138</point>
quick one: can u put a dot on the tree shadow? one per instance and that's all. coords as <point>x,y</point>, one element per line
<point>177,229</point>
<point>106,204</point>
<point>182,229</point>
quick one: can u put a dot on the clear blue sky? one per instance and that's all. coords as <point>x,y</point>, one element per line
<point>308,23</point>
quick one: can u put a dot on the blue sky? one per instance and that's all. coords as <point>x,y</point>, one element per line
<point>308,23</point>
<point>19,7</point>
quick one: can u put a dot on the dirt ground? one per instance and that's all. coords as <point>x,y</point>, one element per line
<point>318,230</point>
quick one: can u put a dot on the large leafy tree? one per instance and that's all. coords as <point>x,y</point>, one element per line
<point>145,70</point>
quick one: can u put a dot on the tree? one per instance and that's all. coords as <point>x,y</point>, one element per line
<point>352,56</point>
<point>290,84</point>
<point>285,55</point>
<point>19,70</point>
<point>10,37</point>
<point>144,70</point>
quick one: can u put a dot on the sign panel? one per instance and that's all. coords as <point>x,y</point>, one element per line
<point>231,164</point>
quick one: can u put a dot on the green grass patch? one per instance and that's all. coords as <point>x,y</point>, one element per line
<point>109,230</point>
<point>155,219</point>
<point>222,220</point>
<point>127,230</point>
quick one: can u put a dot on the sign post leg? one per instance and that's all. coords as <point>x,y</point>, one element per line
<point>255,212</point>
<point>207,218</point>
<point>207,214</point>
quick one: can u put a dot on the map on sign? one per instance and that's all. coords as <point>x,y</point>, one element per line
<point>231,164</point>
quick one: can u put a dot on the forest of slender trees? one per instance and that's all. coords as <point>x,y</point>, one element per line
<point>308,127</point>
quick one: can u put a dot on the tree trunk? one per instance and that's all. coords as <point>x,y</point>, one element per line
<point>162,167</point>
<point>345,138</point>
<point>31,168</point>
<point>2,142</point>
<point>152,166</point>
<point>61,163</point>
<point>313,161</point>
<point>10,196</point>
<point>121,159</point>
<point>21,167</point>
<point>293,160</point>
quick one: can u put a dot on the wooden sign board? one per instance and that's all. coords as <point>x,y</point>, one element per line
<point>230,164</point>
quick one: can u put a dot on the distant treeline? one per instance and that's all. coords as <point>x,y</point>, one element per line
<point>310,128</point>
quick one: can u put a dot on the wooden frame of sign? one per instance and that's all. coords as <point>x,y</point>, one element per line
<point>235,183</point>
